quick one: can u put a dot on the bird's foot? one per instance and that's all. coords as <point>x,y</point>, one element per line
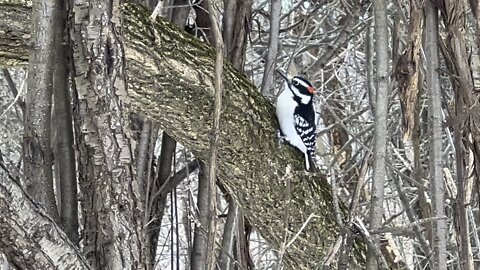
<point>281,138</point>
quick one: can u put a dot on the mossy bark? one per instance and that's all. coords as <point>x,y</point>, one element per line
<point>15,30</point>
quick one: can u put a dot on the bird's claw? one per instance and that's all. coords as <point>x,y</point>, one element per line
<point>281,138</point>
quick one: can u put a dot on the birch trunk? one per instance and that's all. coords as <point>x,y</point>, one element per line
<point>111,200</point>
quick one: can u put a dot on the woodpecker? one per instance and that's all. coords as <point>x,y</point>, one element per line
<point>296,116</point>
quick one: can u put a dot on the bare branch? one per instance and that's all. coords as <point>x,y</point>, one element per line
<point>437,190</point>
<point>380,133</point>
<point>267,81</point>
<point>13,89</point>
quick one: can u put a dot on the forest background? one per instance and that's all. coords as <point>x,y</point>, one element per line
<point>142,135</point>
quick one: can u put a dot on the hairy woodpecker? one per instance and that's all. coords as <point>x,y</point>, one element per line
<point>296,116</point>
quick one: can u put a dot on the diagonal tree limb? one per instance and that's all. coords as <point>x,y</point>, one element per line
<point>29,237</point>
<point>178,177</point>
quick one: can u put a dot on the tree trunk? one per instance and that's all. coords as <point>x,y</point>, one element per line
<point>269,71</point>
<point>236,21</point>
<point>64,151</point>
<point>380,134</point>
<point>215,132</point>
<point>159,201</point>
<point>38,156</point>
<point>198,258</point>
<point>410,87</point>
<point>228,237</point>
<point>113,205</point>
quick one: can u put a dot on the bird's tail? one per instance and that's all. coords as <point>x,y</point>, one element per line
<point>310,164</point>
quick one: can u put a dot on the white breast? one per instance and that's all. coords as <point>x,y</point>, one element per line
<point>285,110</point>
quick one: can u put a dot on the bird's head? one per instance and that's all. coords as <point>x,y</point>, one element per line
<point>300,87</point>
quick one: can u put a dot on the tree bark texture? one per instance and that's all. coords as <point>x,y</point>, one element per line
<point>236,25</point>
<point>183,82</point>
<point>15,28</point>
<point>113,203</point>
<point>157,202</point>
<point>37,151</point>
<point>28,235</point>
<point>409,83</point>
<point>408,69</point>
<point>170,80</point>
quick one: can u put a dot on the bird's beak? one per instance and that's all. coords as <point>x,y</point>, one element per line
<point>284,76</point>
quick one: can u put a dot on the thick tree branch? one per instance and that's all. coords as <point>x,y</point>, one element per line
<point>14,32</point>
<point>170,80</point>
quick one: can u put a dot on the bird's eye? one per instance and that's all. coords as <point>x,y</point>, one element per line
<point>295,82</point>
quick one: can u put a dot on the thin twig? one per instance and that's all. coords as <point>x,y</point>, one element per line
<point>13,89</point>
<point>158,8</point>
<point>382,263</point>
<point>22,86</point>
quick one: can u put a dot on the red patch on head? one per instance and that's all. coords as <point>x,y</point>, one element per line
<point>311,90</point>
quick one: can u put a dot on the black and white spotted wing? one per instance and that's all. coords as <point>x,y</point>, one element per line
<point>305,126</point>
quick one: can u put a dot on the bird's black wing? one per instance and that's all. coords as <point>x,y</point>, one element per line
<point>305,125</point>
